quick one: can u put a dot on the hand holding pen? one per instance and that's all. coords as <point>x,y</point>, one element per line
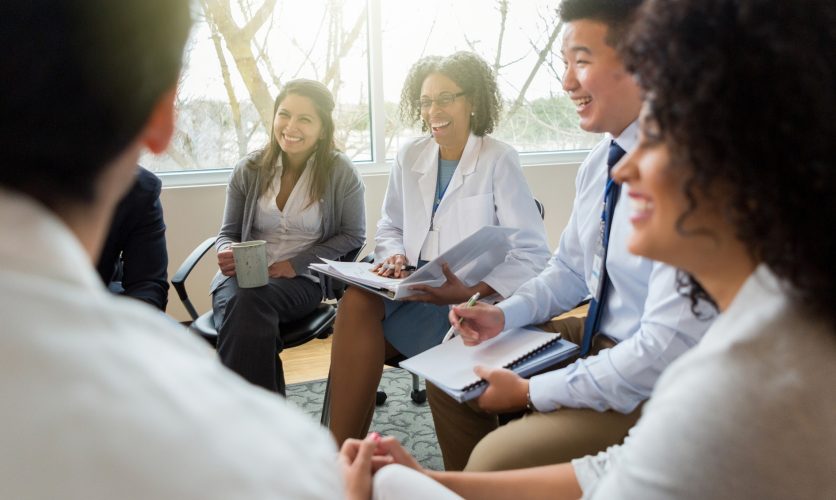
<point>452,331</point>
<point>484,322</point>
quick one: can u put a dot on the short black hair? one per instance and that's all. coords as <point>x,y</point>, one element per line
<point>80,79</point>
<point>742,93</point>
<point>616,14</point>
<point>471,73</point>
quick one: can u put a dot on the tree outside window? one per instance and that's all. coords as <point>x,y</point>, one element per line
<point>242,51</point>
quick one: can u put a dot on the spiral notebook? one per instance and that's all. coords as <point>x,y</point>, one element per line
<point>524,350</point>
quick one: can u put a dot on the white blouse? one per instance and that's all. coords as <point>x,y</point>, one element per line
<point>292,230</point>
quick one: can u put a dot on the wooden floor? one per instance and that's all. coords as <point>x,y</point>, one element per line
<point>307,362</point>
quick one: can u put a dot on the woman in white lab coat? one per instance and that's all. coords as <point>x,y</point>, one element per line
<point>442,188</point>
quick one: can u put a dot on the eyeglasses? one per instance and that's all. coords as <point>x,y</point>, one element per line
<point>443,100</point>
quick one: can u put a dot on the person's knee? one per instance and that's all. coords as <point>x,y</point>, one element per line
<point>250,316</point>
<point>494,453</point>
<point>247,299</point>
<point>357,305</point>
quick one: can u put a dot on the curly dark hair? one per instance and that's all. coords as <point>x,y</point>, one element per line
<point>471,73</point>
<point>742,92</point>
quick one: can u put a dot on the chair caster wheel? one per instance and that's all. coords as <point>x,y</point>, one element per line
<point>419,397</point>
<point>380,398</point>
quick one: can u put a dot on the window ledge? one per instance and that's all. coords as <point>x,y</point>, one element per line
<point>220,176</point>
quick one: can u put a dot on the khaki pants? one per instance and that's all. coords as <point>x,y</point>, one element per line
<point>471,439</point>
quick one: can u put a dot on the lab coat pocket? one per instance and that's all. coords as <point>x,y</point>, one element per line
<point>475,212</point>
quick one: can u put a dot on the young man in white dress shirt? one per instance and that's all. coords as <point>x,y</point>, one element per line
<point>582,408</point>
<point>103,397</point>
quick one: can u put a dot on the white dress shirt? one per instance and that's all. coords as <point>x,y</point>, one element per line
<point>643,312</point>
<point>293,229</point>
<point>105,397</point>
<point>749,413</point>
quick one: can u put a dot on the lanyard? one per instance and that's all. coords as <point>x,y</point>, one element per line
<point>608,191</point>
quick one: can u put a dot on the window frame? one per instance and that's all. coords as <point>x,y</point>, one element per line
<point>379,164</point>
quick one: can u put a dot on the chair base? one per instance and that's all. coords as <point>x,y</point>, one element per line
<point>418,395</point>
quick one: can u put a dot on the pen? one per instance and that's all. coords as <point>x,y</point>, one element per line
<point>452,331</point>
<point>403,268</point>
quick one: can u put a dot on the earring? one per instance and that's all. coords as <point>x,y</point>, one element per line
<point>472,113</point>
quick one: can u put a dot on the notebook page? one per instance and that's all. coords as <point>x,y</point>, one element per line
<point>451,363</point>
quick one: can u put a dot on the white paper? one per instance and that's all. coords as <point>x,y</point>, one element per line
<point>470,260</point>
<point>450,365</point>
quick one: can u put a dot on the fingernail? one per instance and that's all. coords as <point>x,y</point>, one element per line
<point>375,436</point>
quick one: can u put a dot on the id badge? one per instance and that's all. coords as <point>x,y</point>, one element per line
<point>430,249</point>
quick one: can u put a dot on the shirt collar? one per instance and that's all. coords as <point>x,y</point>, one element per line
<point>629,137</point>
<point>43,244</point>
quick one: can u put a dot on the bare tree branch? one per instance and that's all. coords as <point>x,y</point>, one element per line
<point>541,57</point>
<point>239,43</point>
<point>515,61</point>
<point>470,43</point>
<point>234,105</point>
<point>346,43</point>
<point>310,49</point>
<point>258,19</point>
<point>503,18</point>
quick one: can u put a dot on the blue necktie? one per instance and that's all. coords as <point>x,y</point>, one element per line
<point>593,318</point>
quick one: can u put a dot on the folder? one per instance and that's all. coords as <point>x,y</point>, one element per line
<point>470,260</point>
<point>524,350</point>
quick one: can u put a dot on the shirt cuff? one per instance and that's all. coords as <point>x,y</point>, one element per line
<point>515,311</point>
<point>589,470</point>
<point>549,391</point>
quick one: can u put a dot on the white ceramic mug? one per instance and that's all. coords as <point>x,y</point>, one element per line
<point>250,263</point>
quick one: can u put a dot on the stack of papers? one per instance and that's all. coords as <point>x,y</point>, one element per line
<point>470,260</point>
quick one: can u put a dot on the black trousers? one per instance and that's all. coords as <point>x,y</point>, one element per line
<point>249,325</point>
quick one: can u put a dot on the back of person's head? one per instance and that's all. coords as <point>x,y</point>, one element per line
<point>616,14</point>
<point>742,93</point>
<point>471,73</point>
<point>80,79</point>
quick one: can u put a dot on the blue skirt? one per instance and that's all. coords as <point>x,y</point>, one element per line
<point>414,327</point>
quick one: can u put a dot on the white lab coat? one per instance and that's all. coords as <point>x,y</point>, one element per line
<point>488,188</point>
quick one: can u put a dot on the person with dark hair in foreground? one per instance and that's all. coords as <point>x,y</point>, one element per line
<point>102,397</point>
<point>750,412</point>
<point>134,258</point>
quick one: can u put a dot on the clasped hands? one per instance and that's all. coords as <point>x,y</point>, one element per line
<point>360,459</point>
<point>281,269</point>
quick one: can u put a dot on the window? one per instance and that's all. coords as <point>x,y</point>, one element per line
<point>242,51</point>
<point>519,39</point>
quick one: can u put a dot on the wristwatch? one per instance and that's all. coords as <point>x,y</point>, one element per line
<point>529,406</point>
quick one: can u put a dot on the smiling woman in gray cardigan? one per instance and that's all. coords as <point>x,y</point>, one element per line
<point>306,200</point>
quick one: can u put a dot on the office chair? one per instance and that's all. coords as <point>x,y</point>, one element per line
<point>417,394</point>
<point>318,324</point>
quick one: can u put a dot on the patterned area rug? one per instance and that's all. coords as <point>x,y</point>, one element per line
<point>399,416</point>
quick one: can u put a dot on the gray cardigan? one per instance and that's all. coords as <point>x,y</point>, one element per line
<point>342,207</point>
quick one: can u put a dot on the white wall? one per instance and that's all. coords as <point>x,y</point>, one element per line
<point>193,213</point>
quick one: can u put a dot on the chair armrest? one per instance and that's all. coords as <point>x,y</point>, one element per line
<point>179,278</point>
